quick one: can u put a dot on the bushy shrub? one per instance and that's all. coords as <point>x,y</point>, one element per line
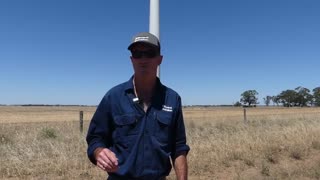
<point>4,139</point>
<point>48,133</point>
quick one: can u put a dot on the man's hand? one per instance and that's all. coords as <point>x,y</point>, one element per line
<point>106,159</point>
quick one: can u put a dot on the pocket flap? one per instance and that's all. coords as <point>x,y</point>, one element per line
<point>125,120</point>
<point>164,117</point>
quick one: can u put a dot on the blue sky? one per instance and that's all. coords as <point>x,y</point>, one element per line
<point>74,51</point>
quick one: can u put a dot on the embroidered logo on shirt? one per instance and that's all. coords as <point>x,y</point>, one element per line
<point>166,108</point>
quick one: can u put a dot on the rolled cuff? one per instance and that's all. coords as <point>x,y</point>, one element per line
<point>180,150</point>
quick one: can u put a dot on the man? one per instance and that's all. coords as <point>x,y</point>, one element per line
<point>138,124</point>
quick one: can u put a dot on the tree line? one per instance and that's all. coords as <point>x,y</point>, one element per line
<point>298,97</point>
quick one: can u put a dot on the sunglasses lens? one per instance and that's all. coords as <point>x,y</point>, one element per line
<point>136,54</point>
<point>151,54</point>
<point>147,54</point>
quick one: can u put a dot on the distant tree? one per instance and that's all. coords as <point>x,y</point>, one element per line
<point>237,104</point>
<point>303,97</point>
<point>249,97</point>
<point>316,96</point>
<point>275,100</point>
<point>288,97</point>
<point>267,100</point>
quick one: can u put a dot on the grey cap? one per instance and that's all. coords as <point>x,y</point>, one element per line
<point>145,37</point>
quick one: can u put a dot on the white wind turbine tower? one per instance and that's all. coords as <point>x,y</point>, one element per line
<point>154,23</point>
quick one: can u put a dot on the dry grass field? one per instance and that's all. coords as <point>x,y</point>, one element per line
<point>275,143</point>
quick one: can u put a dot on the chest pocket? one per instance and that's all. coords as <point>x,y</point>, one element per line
<point>126,125</point>
<point>164,125</point>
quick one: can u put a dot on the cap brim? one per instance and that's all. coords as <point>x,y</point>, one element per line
<point>141,42</point>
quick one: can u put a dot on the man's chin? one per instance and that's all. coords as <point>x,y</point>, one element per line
<point>143,73</point>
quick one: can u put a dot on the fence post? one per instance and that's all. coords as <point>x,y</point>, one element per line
<point>245,115</point>
<point>81,121</point>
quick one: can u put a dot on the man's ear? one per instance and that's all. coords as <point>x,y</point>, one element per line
<point>160,59</point>
<point>131,59</point>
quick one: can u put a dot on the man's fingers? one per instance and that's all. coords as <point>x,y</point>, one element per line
<point>100,166</point>
<point>106,167</point>
<point>107,160</point>
<point>103,166</point>
<point>112,157</point>
<point>108,157</point>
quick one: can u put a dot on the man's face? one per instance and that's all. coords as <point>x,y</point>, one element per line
<point>145,59</point>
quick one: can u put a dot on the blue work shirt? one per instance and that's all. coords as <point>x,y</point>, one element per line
<point>142,141</point>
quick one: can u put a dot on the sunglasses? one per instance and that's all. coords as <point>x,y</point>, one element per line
<point>147,54</point>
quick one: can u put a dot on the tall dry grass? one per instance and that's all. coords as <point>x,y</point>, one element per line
<point>276,143</point>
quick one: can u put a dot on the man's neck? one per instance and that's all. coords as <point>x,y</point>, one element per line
<point>144,87</point>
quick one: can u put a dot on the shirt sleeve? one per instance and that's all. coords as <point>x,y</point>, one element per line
<point>99,132</point>
<point>180,145</point>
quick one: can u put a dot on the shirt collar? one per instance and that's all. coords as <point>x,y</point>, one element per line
<point>128,87</point>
